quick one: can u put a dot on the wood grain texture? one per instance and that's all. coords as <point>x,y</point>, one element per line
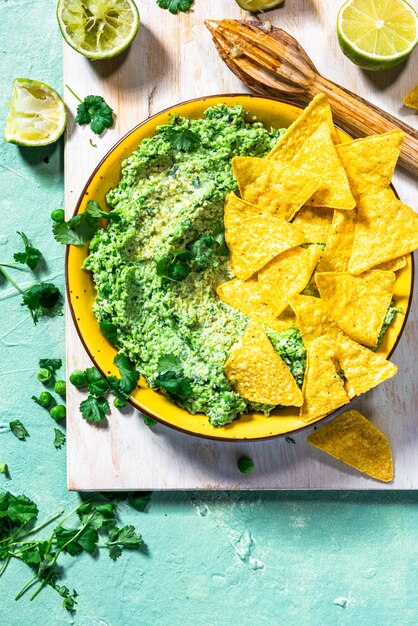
<point>173,59</point>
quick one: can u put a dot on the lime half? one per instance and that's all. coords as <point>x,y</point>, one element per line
<point>98,29</point>
<point>37,114</point>
<point>254,6</point>
<point>377,34</point>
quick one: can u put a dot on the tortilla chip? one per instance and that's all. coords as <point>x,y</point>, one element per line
<point>354,440</point>
<point>318,157</point>
<point>386,229</point>
<point>362,368</point>
<point>277,190</point>
<point>254,237</point>
<point>323,388</point>
<point>312,318</point>
<point>316,113</point>
<point>392,266</point>
<point>411,100</point>
<point>245,296</point>
<point>258,373</point>
<point>286,276</point>
<point>370,162</point>
<point>357,303</point>
<point>315,223</point>
<point>340,241</point>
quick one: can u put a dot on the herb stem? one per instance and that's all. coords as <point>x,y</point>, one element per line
<point>26,587</point>
<point>11,281</point>
<point>14,266</point>
<point>5,564</point>
<point>74,94</point>
<point>42,525</point>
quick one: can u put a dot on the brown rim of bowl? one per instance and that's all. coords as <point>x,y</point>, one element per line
<point>133,403</point>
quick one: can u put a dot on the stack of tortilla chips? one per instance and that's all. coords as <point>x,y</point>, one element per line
<point>309,191</point>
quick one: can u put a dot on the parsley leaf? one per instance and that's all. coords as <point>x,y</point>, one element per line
<point>129,377</point>
<point>175,6</point>
<point>182,139</point>
<point>41,299</point>
<point>59,439</point>
<point>177,267</point>
<point>18,430</point>
<point>31,256</point>
<point>171,378</point>
<point>77,231</point>
<point>120,538</point>
<point>94,410</point>
<point>95,111</point>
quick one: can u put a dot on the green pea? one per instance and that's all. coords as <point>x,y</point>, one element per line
<point>79,379</point>
<point>60,387</point>
<point>58,412</point>
<point>245,465</point>
<point>44,375</point>
<point>58,215</point>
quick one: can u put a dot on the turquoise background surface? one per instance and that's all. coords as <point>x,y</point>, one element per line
<point>212,559</point>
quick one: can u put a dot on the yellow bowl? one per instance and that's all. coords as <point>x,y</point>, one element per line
<point>81,292</point>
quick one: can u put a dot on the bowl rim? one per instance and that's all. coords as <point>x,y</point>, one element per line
<point>74,318</point>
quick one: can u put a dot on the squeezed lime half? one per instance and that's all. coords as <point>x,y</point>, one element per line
<point>254,6</point>
<point>98,29</point>
<point>37,114</point>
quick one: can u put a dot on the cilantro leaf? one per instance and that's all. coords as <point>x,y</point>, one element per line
<point>52,365</point>
<point>182,139</point>
<point>59,439</point>
<point>97,515</point>
<point>94,410</point>
<point>97,384</point>
<point>77,231</point>
<point>129,377</point>
<point>31,256</point>
<point>109,331</point>
<point>75,541</point>
<point>120,538</point>
<point>175,6</point>
<point>69,601</point>
<point>139,501</point>
<point>41,299</point>
<point>171,378</point>
<point>17,509</point>
<point>93,209</point>
<point>18,430</point>
<point>95,111</point>
<point>176,268</point>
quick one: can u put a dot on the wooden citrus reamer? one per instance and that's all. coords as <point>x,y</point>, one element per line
<point>271,62</point>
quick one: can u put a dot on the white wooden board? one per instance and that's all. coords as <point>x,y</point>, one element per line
<point>171,60</point>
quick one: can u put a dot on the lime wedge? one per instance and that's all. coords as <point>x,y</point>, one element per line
<point>98,29</point>
<point>254,6</point>
<point>37,114</point>
<point>377,34</point>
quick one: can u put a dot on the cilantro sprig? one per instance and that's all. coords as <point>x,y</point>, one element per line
<point>95,111</point>
<point>171,377</point>
<point>41,298</point>
<point>94,525</point>
<point>182,139</point>
<point>175,6</point>
<point>83,226</point>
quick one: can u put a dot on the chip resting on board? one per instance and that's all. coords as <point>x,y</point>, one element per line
<point>254,237</point>
<point>258,373</point>
<point>357,303</point>
<point>354,440</point>
<point>386,229</point>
